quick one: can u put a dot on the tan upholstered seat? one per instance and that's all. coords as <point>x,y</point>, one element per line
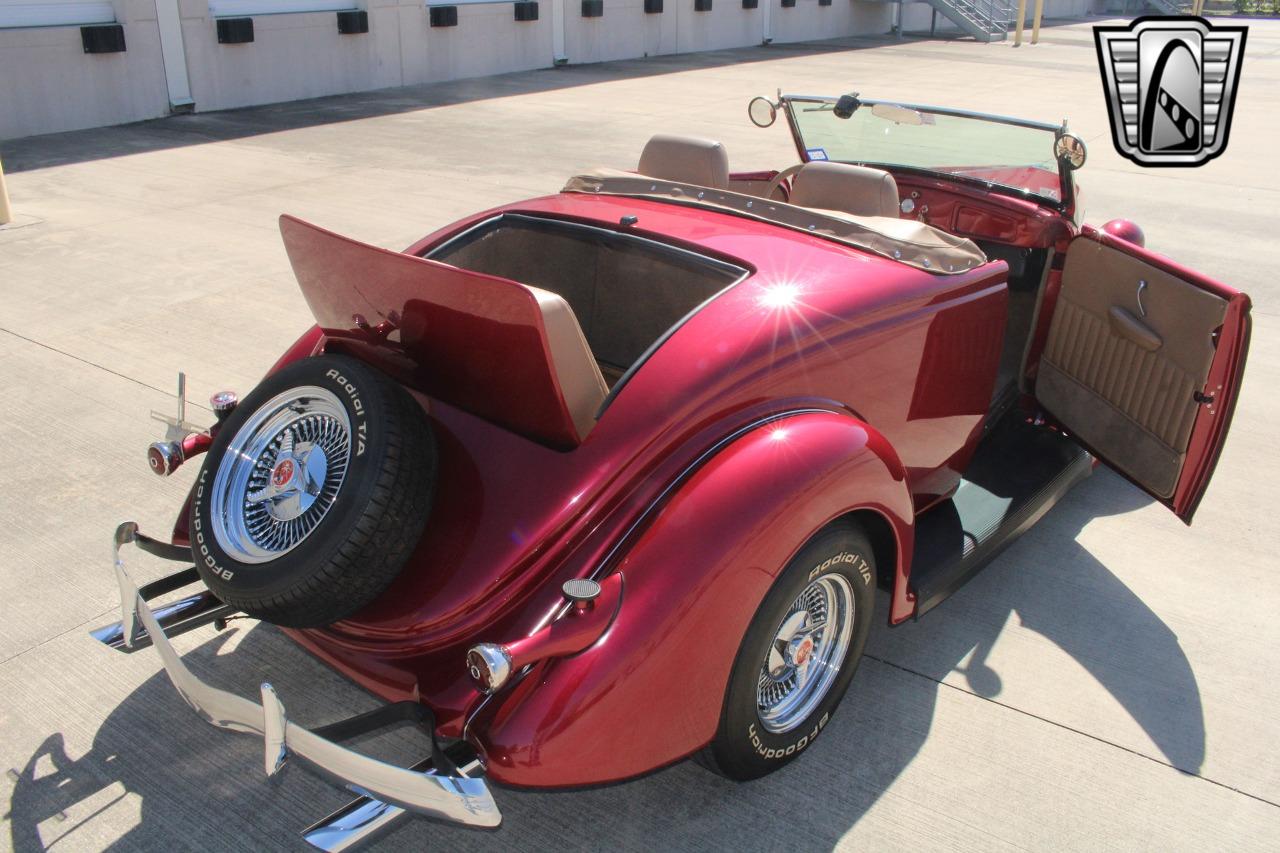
<point>852,189</point>
<point>686,160</point>
<point>575,367</point>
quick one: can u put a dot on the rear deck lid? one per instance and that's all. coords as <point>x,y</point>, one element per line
<point>474,341</point>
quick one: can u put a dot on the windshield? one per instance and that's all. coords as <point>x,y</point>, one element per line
<point>1004,152</point>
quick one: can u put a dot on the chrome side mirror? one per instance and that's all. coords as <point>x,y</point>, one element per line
<point>762,112</point>
<point>1070,149</point>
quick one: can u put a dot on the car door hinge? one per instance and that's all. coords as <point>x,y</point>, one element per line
<point>1203,398</point>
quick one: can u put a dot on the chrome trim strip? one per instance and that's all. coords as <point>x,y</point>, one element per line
<point>569,224</point>
<point>561,609</point>
<point>454,798</point>
<point>1065,180</point>
<point>599,571</point>
<point>662,339</point>
<point>740,272</point>
<point>950,111</point>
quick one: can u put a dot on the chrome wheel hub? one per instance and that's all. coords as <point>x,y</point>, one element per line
<point>806,654</point>
<point>280,474</point>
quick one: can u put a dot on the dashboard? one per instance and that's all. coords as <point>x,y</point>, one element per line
<point>980,215</point>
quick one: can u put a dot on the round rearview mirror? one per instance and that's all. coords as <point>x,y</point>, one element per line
<point>762,112</point>
<point>1070,149</point>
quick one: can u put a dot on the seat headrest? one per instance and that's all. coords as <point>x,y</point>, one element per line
<point>852,189</point>
<point>686,160</point>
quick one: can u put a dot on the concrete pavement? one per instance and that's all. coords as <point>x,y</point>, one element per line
<point>1109,683</point>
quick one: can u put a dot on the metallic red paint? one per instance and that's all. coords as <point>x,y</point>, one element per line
<point>694,579</point>
<point>828,382</point>
<point>575,630</point>
<point>816,326</point>
<point>473,340</point>
<point>1125,229</point>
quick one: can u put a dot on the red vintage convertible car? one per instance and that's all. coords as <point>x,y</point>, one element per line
<point>592,483</point>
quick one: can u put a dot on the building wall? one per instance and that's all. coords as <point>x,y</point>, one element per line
<point>807,21</point>
<point>624,31</point>
<point>49,84</point>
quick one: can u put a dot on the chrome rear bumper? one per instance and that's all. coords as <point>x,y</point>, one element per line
<point>424,788</point>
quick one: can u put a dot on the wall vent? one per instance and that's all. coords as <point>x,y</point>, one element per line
<point>353,22</point>
<point>106,38</point>
<point>443,16</point>
<point>235,30</point>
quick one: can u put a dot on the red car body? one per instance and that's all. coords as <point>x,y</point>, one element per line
<point>829,382</point>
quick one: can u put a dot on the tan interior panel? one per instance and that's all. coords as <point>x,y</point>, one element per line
<point>623,293</point>
<point>1121,370</point>
<point>757,188</point>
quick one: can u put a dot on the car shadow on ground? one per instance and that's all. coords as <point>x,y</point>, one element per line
<point>203,789</point>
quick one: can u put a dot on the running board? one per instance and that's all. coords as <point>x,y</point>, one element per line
<point>1018,473</point>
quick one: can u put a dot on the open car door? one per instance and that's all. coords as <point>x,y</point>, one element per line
<point>1143,363</point>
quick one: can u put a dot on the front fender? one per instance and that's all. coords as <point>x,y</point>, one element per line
<point>650,692</point>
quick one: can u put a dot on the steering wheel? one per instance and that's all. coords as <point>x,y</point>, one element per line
<point>780,177</point>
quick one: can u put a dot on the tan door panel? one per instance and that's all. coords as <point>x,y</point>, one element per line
<point>1121,370</point>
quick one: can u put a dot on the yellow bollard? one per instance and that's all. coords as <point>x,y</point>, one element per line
<point>1035,23</point>
<point>1022,18</point>
<point>6,212</point>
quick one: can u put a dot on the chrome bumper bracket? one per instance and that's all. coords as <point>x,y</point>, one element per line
<point>436,788</point>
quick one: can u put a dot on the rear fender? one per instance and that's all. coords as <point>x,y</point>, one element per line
<point>650,692</point>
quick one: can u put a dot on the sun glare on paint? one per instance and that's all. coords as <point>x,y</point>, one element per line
<point>780,297</point>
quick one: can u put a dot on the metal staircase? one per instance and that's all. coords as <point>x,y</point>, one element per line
<point>1187,7</point>
<point>1171,7</point>
<point>985,20</point>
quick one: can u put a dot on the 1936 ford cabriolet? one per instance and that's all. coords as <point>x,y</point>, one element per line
<point>595,482</point>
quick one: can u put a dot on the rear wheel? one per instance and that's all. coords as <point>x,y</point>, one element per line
<point>798,656</point>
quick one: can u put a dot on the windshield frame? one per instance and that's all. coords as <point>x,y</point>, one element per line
<point>1066,181</point>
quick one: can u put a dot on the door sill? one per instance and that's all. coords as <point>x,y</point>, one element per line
<point>1017,474</point>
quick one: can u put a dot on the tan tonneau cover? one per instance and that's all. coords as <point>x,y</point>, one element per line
<point>904,240</point>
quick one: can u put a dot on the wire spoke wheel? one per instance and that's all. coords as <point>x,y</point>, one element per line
<point>280,475</point>
<point>314,493</point>
<point>806,654</point>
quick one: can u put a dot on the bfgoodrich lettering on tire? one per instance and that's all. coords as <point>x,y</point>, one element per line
<point>798,656</point>
<point>314,493</point>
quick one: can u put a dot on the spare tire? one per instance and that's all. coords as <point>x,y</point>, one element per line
<point>314,493</point>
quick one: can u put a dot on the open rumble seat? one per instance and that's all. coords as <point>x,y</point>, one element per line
<point>510,353</point>
<point>625,291</point>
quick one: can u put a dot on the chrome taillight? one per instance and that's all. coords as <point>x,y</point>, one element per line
<point>489,665</point>
<point>593,607</point>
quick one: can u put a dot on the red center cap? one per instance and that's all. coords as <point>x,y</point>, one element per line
<point>283,473</point>
<point>803,651</point>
